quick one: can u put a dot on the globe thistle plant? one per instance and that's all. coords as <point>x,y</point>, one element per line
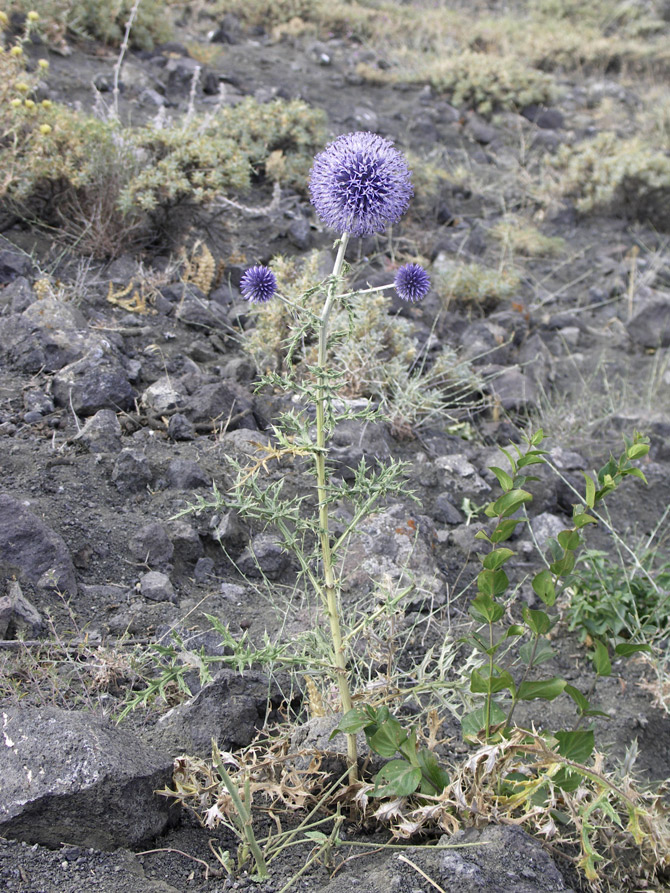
<point>360,184</point>
<point>258,284</point>
<point>412,282</point>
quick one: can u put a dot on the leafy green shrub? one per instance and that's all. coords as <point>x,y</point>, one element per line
<point>103,21</point>
<point>618,176</point>
<point>475,285</point>
<point>107,185</point>
<point>523,238</point>
<point>488,83</point>
<point>608,600</point>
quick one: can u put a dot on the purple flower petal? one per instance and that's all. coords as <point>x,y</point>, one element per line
<point>258,284</point>
<point>360,184</point>
<point>412,282</point>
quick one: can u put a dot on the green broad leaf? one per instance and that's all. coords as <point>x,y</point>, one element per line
<point>388,738</point>
<point>590,495</point>
<point>537,621</point>
<point>576,745</point>
<point>636,473</point>
<point>637,450</point>
<point>504,479</point>
<point>352,722</point>
<point>543,587</point>
<point>483,535</point>
<point>317,836</point>
<point>547,689</point>
<point>510,459</point>
<point>433,775</point>
<point>564,565</point>
<point>396,779</point>
<point>484,609</point>
<point>492,582</point>
<point>601,659</point>
<point>581,519</point>
<point>623,649</point>
<point>482,683</point>
<point>569,539</point>
<point>472,723</point>
<point>510,502</point>
<point>537,438</point>
<point>514,630</point>
<point>496,558</point>
<point>580,700</point>
<point>532,458</point>
<point>505,529</point>
<point>543,652</point>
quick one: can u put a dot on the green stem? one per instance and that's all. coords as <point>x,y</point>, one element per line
<point>245,828</point>
<point>330,588</point>
<point>489,694</point>
<point>515,700</point>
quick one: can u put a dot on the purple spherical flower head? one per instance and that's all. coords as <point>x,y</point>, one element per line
<point>412,282</point>
<point>360,184</point>
<point>258,284</point>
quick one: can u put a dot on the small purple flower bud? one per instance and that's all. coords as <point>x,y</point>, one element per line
<point>360,184</point>
<point>412,282</point>
<point>258,284</point>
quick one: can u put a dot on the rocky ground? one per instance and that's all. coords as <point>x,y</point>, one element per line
<point>115,416</point>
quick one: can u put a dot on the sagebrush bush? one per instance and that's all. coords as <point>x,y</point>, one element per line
<point>474,285</point>
<point>487,83</point>
<point>103,21</point>
<point>108,185</point>
<point>523,238</point>
<point>626,177</point>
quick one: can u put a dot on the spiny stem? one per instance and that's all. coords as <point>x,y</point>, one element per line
<point>330,589</point>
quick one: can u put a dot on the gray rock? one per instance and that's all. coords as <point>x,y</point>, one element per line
<point>229,530</point>
<point>396,544</point>
<point>14,264</point>
<point>19,619</point>
<point>484,342</point>
<point>230,710</point>
<point>157,587</point>
<point>164,395</point>
<point>47,336</point>
<point>185,541</point>
<point>131,472</point>
<point>102,432</point>
<point>180,428</point>
<point>547,119</point>
<point>265,556</point>
<point>201,313</point>
<point>18,295</point>
<point>93,383</point>
<point>465,537</point>
<point>221,403</point>
<point>92,785</point>
<point>33,551</point>
<point>514,389</point>
<point>300,234</point>
<point>204,569</point>
<point>547,526</point>
<point>353,440</point>
<point>184,474</point>
<point>508,861</point>
<point>445,511</point>
<point>152,545</point>
<point>650,326</point>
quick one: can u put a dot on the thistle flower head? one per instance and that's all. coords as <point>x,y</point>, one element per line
<point>258,284</point>
<point>412,282</point>
<point>360,184</point>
